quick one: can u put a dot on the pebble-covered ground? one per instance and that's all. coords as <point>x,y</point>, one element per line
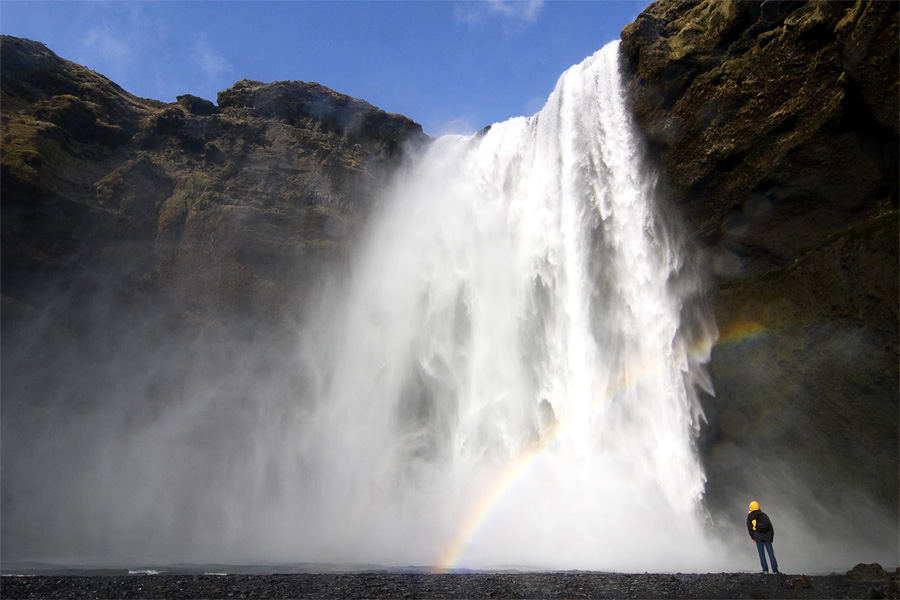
<point>456,585</point>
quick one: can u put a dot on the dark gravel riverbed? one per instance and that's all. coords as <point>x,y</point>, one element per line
<point>455,585</point>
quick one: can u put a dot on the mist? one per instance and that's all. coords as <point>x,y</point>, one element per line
<point>509,374</point>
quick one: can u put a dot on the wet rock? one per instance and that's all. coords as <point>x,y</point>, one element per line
<point>868,572</point>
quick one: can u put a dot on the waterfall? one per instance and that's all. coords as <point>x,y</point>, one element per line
<point>507,377</point>
<point>506,380</point>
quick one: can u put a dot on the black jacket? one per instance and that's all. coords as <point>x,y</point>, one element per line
<point>759,518</point>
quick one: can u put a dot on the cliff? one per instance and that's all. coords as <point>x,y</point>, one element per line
<point>775,125</point>
<point>224,211</point>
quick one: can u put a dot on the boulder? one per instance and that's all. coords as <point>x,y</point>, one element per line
<point>868,572</point>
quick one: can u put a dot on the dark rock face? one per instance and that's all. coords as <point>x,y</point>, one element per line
<point>776,127</point>
<point>775,122</point>
<point>207,206</point>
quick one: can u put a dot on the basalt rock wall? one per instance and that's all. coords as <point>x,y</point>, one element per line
<point>775,126</point>
<point>225,211</point>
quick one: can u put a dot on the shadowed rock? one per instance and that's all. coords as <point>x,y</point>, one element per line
<point>775,125</point>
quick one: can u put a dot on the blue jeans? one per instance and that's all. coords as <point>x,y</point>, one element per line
<point>762,548</point>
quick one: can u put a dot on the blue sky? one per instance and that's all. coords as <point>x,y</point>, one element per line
<point>453,66</point>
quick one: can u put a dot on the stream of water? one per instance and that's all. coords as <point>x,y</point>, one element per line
<point>508,380</point>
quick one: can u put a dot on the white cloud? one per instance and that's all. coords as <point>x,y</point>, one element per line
<point>116,39</point>
<point>105,50</point>
<point>458,126</point>
<point>475,12</point>
<point>522,10</point>
<point>213,66</point>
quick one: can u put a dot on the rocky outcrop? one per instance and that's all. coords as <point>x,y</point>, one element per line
<point>775,125</point>
<point>225,211</point>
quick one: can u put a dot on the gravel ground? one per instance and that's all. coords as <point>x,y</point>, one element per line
<point>467,585</point>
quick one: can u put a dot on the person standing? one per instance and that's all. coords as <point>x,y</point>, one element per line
<point>761,531</point>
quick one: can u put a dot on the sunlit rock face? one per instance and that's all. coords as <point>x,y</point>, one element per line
<point>210,206</point>
<point>775,125</point>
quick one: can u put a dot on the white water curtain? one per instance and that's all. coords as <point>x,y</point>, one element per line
<point>518,266</point>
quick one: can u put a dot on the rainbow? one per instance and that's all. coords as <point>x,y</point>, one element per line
<point>738,332</point>
<point>513,472</point>
<point>482,509</point>
<point>742,331</point>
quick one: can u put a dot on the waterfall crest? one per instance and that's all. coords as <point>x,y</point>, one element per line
<point>508,380</point>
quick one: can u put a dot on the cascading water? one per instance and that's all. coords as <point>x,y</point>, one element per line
<point>505,382</point>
